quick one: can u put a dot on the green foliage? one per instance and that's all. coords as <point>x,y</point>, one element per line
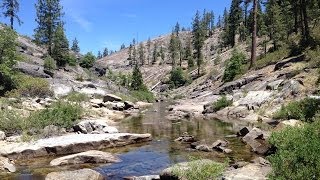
<point>314,57</point>
<point>200,170</point>
<point>8,56</point>
<point>221,103</point>
<point>137,80</point>
<point>61,114</point>
<point>177,78</point>
<point>27,86</point>
<point>304,110</point>
<point>143,95</point>
<point>77,97</point>
<point>272,58</point>
<point>11,10</point>
<point>72,59</point>
<point>87,60</point>
<point>234,67</point>
<point>297,155</point>
<point>49,14</point>
<point>199,35</point>
<point>10,121</point>
<point>50,63</point>
<point>60,51</point>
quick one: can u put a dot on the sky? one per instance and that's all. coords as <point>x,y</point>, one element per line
<point>109,23</point>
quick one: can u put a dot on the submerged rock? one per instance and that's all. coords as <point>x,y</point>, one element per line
<point>82,174</point>
<point>94,157</point>
<point>72,143</point>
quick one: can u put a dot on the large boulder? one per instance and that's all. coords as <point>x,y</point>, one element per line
<point>94,126</point>
<point>128,105</point>
<point>2,136</point>
<point>31,69</point>
<point>111,98</point>
<point>285,62</point>
<point>6,165</point>
<point>256,140</point>
<point>93,157</point>
<point>274,85</point>
<point>254,99</point>
<point>82,174</point>
<point>255,133</point>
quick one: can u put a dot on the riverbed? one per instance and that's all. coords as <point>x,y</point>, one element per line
<point>151,158</point>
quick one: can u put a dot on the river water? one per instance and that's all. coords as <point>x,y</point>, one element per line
<point>152,157</point>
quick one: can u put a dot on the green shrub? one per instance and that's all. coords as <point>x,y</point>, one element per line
<point>137,80</point>
<point>313,55</point>
<point>200,170</point>
<point>234,66</point>
<point>87,60</point>
<point>61,114</point>
<point>72,59</point>
<point>177,78</point>
<point>221,103</point>
<point>143,96</point>
<point>50,63</point>
<point>27,86</point>
<point>297,156</point>
<point>10,121</point>
<point>303,110</point>
<point>77,97</point>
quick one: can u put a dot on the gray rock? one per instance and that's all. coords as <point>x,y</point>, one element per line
<point>291,87</point>
<point>274,85</point>
<point>96,126</point>
<point>6,164</point>
<point>243,131</point>
<point>111,98</point>
<point>252,171</point>
<point>220,143</point>
<point>185,138</point>
<point>255,99</point>
<point>93,157</point>
<point>128,105</point>
<point>255,133</point>
<point>204,148</point>
<point>31,69</point>
<point>2,136</point>
<point>82,174</point>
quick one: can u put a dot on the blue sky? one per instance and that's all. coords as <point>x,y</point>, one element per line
<point>109,23</point>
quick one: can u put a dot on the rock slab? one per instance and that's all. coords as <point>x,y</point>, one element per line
<point>6,165</point>
<point>94,157</point>
<point>82,174</point>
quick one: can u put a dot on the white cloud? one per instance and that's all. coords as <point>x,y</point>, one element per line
<point>84,23</point>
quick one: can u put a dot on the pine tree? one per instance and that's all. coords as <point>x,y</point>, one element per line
<point>134,51</point>
<point>99,55</point>
<point>149,50</point>
<point>275,23</point>
<point>173,48</point>
<point>141,54</point>
<point>49,14</point>
<point>188,54</point>
<point>212,26</point>
<point>60,50</point>
<point>234,21</point>
<point>105,52</point>
<point>11,9</point>
<point>225,18</point>
<point>130,52</point>
<point>137,80</point>
<point>198,31</point>
<point>155,53</point>
<point>177,29</point>
<point>162,54</point>
<point>75,45</point>
<point>254,34</point>
<point>122,46</point>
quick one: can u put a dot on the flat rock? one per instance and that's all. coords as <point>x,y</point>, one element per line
<point>248,172</point>
<point>148,177</point>
<point>274,85</point>
<point>254,99</point>
<point>220,143</point>
<point>255,133</point>
<point>143,105</point>
<point>204,148</point>
<point>289,123</point>
<point>93,157</point>
<point>111,98</point>
<point>72,143</point>
<point>82,174</point>
<point>5,164</point>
